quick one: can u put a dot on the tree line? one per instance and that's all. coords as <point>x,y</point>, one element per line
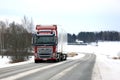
<point>15,39</point>
<point>94,36</point>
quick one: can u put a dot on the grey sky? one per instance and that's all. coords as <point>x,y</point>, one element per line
<point>72,15</point>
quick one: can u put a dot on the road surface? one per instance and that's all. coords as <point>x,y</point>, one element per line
<point>79,69</point>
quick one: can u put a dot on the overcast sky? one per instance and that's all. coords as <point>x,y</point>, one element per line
<point>72,15</point>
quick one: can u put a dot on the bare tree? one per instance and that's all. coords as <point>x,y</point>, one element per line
<point>28,24</point>
<point>18,41</point>
<point>2,31</point>
<point>16,38</point>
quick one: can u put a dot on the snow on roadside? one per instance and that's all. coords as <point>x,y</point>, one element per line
<point>4,62</point>
<point>79,49</point>
<point>76,57</point>
<point>108,68</point>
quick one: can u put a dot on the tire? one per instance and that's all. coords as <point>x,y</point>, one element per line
<point>58,57</point>
<point>62,57</point>
<point>65,56</point>
<point>36,61</point>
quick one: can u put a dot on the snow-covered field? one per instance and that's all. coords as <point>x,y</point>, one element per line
<point>107,68</point>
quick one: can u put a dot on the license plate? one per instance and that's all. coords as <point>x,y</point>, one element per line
<point>45,59</point>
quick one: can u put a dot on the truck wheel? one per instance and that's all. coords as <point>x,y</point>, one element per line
<point>62,57</point>
<point>36,61</point>
<point>58,57</point>
<point>65,56</point>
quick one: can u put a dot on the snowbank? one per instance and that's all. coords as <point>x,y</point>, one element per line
<point>77,57</point>
<point>4,62</point>
<point>108,68</point>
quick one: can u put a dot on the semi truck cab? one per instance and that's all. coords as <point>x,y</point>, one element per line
<point>45,42</point>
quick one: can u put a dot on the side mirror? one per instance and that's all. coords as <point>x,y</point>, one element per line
<point>33,39</point>
<point>56,40</point>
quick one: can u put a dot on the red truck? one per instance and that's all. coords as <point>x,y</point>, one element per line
<point>48,44</point>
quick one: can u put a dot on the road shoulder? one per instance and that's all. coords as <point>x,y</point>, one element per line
<point>96,72</point>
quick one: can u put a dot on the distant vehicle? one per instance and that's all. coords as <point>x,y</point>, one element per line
<point>48,44</point>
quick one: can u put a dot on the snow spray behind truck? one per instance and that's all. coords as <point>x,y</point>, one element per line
<point>49,42</point>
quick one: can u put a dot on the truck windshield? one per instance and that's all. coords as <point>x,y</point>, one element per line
<point>45,39</point>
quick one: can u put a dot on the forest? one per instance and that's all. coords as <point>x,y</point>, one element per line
<point>15,39</point>
<point>88,37</point>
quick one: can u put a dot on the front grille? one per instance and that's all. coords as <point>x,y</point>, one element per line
<point>45,52</point>
<point>45,56</point>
